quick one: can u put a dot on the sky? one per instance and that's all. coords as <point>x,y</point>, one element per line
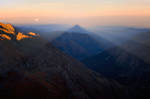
<point>84,12</point>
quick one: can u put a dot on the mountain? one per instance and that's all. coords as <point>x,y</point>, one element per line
<point>31,68</point>
<point>77,29</point>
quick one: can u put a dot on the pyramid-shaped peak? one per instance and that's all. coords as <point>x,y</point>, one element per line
<point>77,26</point>
<point>78,29</point>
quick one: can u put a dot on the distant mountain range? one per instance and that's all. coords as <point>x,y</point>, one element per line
<point>118,34</point>
<point>31,68</point>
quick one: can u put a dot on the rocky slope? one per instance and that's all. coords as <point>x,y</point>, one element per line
<point>32,68</point>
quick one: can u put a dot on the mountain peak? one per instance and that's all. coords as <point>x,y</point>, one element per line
<point>78,29</point>
<point>7,32</point>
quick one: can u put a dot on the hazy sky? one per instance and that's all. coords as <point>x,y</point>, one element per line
<point>86,12</point>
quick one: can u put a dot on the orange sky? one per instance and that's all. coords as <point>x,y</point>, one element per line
<point>58,11</point>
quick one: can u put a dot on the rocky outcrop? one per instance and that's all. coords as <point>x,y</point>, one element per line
<point>7,31</point>
<point>7,28</point>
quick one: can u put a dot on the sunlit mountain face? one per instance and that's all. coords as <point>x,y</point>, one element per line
<point>75,49</point>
